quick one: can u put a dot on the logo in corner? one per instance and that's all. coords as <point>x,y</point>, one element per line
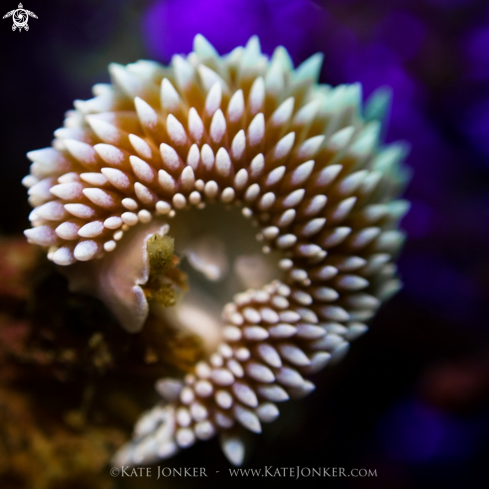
<point>20,16</point>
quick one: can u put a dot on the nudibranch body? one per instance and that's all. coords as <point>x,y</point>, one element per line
<point>162,150</point>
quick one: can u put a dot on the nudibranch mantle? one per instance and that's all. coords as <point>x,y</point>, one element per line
<point>303,162</point>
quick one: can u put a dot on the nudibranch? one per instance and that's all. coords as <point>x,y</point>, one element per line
<point>275,192</point>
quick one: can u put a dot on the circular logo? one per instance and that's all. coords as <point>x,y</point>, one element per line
<point>20,19</point>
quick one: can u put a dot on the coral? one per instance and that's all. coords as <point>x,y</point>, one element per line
<point>155,155</point>
<point>72,384</point>
<point>48,454</point>
<point>17,259</point>
<point>45,441</point>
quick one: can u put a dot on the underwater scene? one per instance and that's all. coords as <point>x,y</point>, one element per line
<point>244,242</point>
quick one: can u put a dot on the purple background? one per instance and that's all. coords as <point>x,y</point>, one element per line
<point>411,399</point>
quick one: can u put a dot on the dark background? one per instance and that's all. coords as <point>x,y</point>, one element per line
<point>411,400</point>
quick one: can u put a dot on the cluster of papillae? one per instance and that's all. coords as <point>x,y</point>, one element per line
<point>301,159</point>
<point>271,342</point>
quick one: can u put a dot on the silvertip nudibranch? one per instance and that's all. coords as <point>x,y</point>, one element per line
<point>245,202</point>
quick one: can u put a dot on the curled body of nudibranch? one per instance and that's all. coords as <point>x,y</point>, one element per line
<point>302,161</point>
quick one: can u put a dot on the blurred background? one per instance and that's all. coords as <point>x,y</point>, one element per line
<point>411,399</point>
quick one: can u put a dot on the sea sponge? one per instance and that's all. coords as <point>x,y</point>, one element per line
<point>302,161</point>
